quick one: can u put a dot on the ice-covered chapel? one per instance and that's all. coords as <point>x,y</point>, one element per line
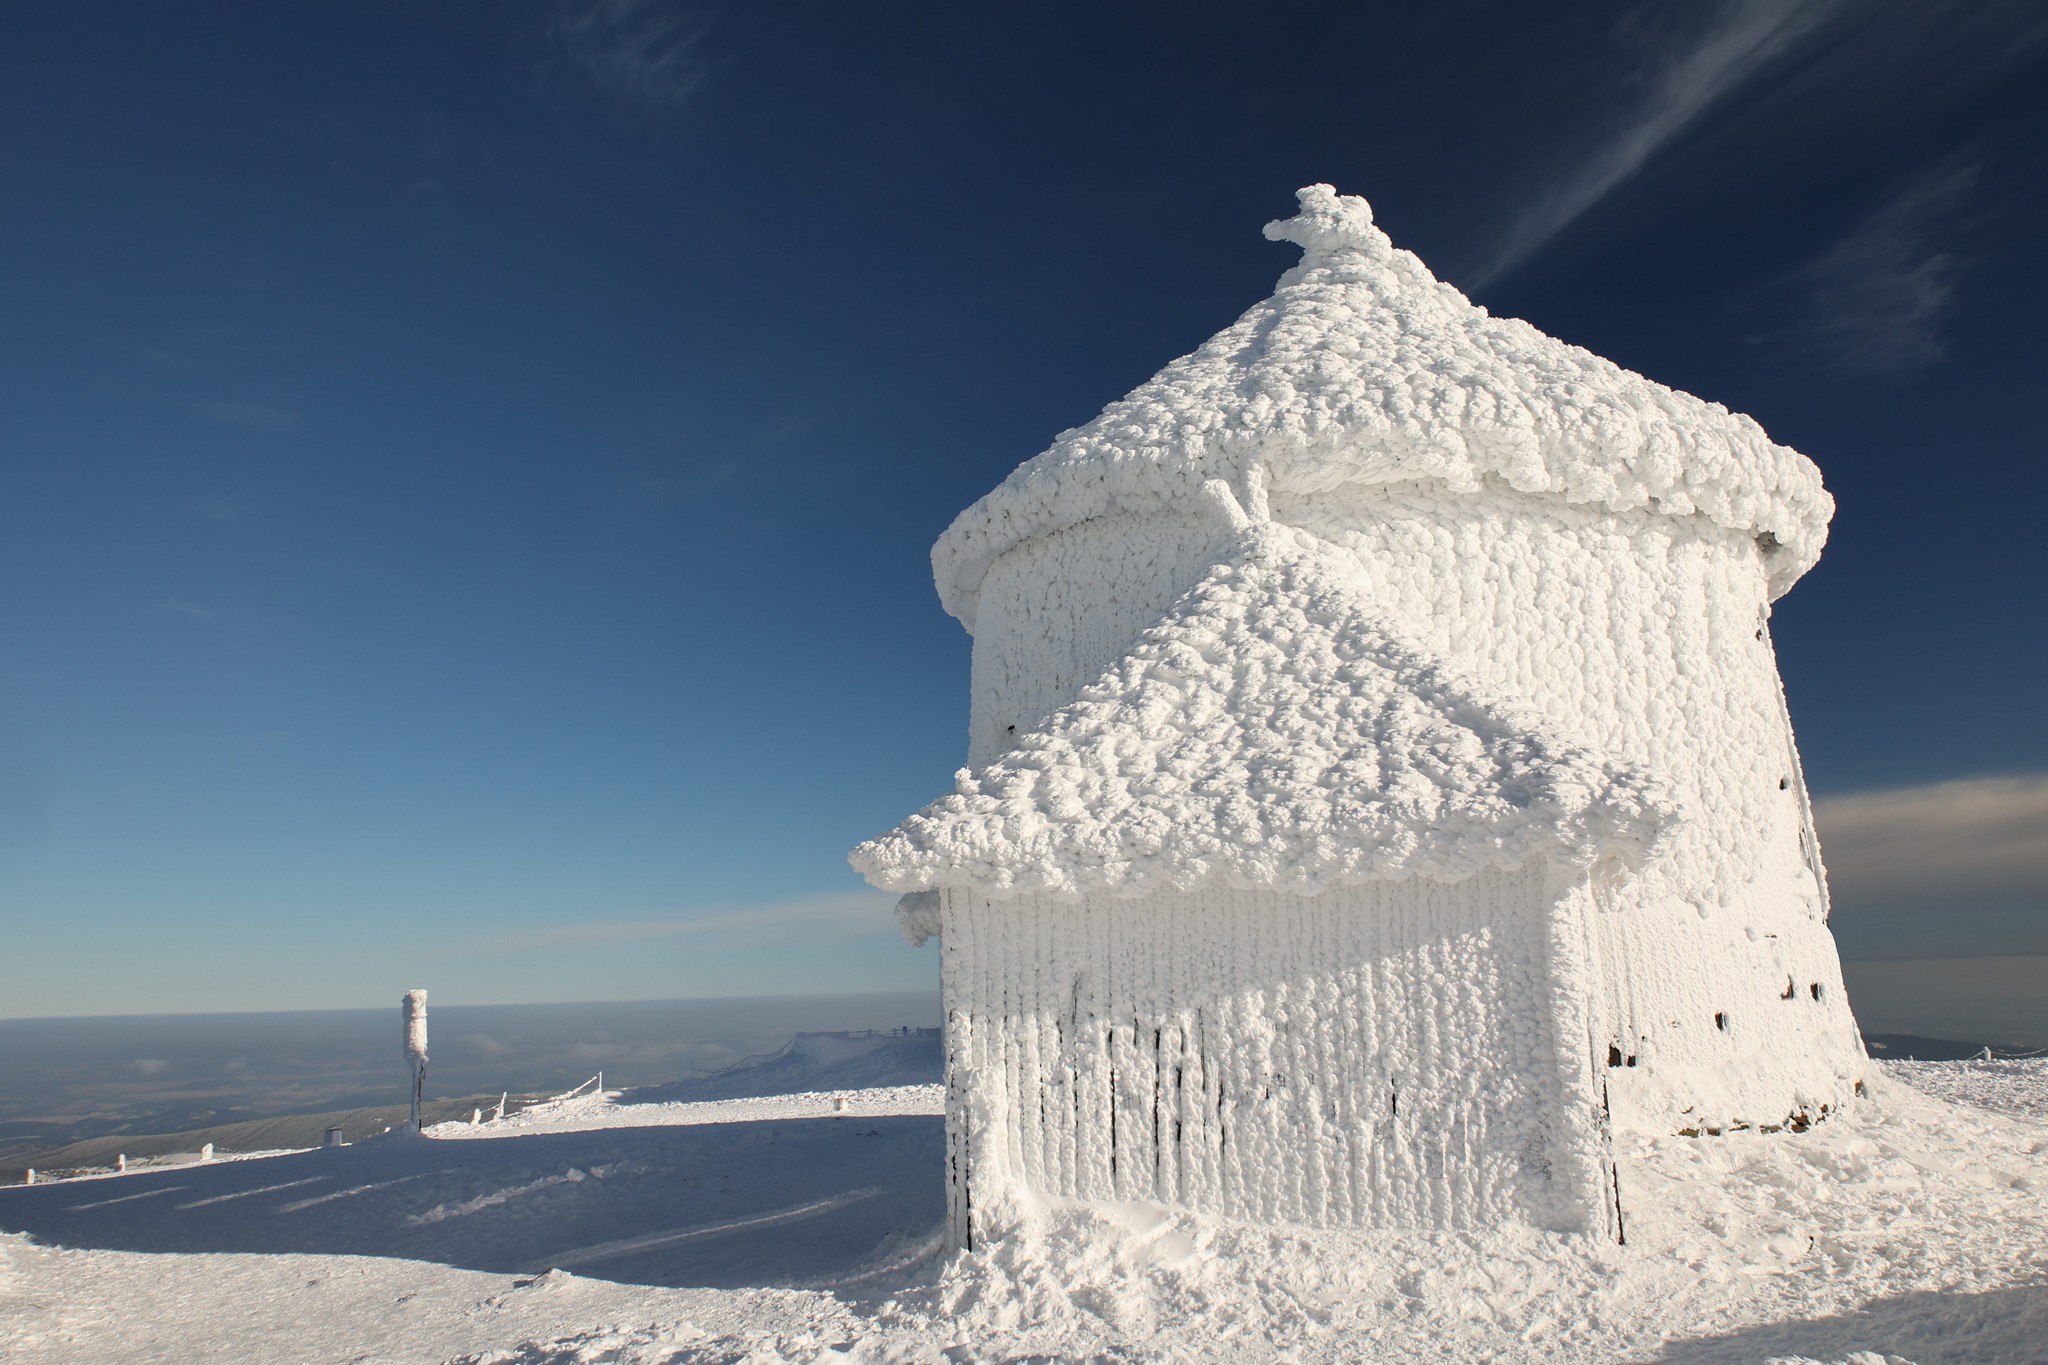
<point>1380,784</point>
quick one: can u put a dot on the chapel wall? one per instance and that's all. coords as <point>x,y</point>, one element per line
<point>1055,612</point>
<point>1387,1055</point>
<point>1642,635</point>
<point>1647,637</point>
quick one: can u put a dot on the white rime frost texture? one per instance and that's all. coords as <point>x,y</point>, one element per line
<point>1389,1056</point>
<point>1377,702</point>
<point>413,1013</point>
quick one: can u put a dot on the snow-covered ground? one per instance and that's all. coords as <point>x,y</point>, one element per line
<point>589,1111</point>
<point>789,1229</point>
<point>2010,1085</point>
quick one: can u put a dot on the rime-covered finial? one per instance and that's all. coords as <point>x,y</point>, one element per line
<point>1330,222</point>
<point>1223,502</point>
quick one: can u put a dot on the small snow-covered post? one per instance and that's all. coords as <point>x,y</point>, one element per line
<point>414,1007</point>
<point>121,1163</point>
<point>31,1176</point>
<point>206,1151</point>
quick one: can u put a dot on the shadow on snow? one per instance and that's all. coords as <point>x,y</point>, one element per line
<point>1936,1328</point>
<point>718,1205</point>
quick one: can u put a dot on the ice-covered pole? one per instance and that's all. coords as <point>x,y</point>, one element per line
<point>414,1007</point>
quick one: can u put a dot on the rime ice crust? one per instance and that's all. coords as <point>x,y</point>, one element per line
<point>413,1009</point>
<point>1363,368</point>
<point>1270,731</point>
<point>1393,1054</point>
<point>1182,722</point>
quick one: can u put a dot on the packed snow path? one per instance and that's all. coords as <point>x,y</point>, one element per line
<point>1908,1229</point>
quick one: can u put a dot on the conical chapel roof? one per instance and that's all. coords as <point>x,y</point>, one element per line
<point>1362,367</point>
<point>1269,731</point>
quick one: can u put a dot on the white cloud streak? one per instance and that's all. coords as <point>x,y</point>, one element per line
<point>1876,300</point>
<point>649,52</point>
<point>1682,86</point>
<point>1950,843</point>
<point>837,915</point>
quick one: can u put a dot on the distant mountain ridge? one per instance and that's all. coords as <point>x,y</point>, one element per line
<point>1912,1047</point>
<point>859,1059</point>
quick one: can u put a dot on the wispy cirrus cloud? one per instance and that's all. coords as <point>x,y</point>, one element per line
<point>835,915</point>
<point>1968,841</point>
<point>1681,84</point>
<point>1877,299</point>
<point>650,52</point>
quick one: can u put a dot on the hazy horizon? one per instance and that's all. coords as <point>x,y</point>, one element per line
<point>66,1079</point>
<point>435,1005</point>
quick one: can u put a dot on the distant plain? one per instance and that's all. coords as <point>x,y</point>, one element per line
<point>65,1080</point>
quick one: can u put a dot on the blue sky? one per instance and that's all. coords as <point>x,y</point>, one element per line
<point>469,467</point>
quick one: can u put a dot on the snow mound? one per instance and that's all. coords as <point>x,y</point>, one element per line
<point>1363,368</point>
<point>1270,731</point>
<point>590,1113</point>
<point>1905,1229</point>
<point>1907,1232</point>
<point>2006,1085</point>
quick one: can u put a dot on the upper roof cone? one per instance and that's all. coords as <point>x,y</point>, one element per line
<point>1362,367</point>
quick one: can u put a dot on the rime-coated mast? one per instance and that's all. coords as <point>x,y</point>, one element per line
<point>413,1012</point>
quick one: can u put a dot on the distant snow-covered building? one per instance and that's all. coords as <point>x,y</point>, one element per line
<point>1380,781</point>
